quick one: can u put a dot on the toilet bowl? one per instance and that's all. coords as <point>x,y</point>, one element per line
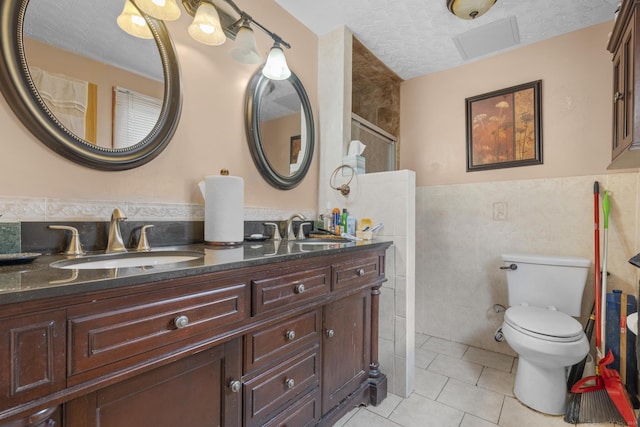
<point>547,342</point>
<point>545,294</point>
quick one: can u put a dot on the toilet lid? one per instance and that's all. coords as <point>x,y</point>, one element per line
<point>543,321</point>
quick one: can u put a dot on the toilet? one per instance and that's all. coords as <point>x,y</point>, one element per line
<point>545,294</point>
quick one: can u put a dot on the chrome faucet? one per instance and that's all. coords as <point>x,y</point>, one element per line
<point>115,243</point>
<point>290,234</point>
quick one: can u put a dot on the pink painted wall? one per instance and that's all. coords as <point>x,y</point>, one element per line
<point>576,75</point>
<point>210,135</point>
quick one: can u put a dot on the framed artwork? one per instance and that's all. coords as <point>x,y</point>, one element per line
<point>504,128</point>
<point>295,149</point>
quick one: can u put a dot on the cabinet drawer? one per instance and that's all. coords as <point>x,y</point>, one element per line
<point>32,357</point>
<point>304,413</point>
<point>355,273</point>
<point>289,289</point>
<point>268,344</point>
<point>268,392</point>
<point>127,328</point>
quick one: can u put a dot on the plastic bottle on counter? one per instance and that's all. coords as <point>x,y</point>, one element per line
<point>336,220</point>
<point>327,218</point>
<point>351,225</point>
<point>343,221</point>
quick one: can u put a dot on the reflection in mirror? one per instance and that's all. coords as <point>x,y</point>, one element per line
<point>279,126</point>
<point>282,126</point>
<point>63,94</point>
<point>76,68</point>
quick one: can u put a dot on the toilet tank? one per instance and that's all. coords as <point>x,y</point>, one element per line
<point>545,281</point>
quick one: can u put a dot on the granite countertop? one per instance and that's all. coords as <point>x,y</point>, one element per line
<point>36,280</point>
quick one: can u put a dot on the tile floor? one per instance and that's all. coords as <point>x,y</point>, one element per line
<point>455,386</point>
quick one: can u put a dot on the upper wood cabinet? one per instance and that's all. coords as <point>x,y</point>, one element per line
<point>625,148</point>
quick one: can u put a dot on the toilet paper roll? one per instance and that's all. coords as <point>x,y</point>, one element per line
<point>224,210</point>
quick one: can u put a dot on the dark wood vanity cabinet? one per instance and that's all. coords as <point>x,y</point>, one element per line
<point>287,343</point>
<point>625,148</point>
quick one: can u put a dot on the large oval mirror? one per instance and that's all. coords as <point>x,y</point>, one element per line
<point>84,87</point>
<point>279,126</point>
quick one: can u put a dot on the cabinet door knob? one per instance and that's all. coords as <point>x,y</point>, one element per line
<point>235,386</point>
<point>329,333</point>
<point>299,288</point>
<point>290,383</point>
<point>360,272</point>
<point>290,335</point>
<point>181,321</point>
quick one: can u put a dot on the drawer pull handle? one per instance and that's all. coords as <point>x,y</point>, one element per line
<point>360,272</point>
<point>181,321</point>
<point>290,383</point>
<point>290,335</point>
<point>235,385</point>
<point>299,288</point>
<point>329,333</point>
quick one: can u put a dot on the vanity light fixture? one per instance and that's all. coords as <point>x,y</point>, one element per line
<point>469,9</point>
<point>206,27</point>
<point>276,67</point>
<point>165,10</point>
<point>245,50</point>
<point>215,21</point>
<point>130,21</point>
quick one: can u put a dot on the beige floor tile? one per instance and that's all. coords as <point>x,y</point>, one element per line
<point>429,384</point>
<point>443,346</point>
<point>420,339</point>
<point>342,421</point>
<point>424,358</point>
<point>498,381</point>
<point>462,370</point>
<point>366,418</point>
<point>472,421</point>
<point>488,358</point>
<point>515,414</point>
<point>387,406</point>
<point>476,401</point>
<point>418,411</point>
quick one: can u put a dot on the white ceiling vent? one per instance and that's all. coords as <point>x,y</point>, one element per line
<point>493,37</point>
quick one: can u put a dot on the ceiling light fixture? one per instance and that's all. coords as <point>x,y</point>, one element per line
<point>214,21</point>
<point>130,21</point>
<point>469,9</point>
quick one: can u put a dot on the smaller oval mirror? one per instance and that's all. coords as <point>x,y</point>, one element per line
<point>279,126</point>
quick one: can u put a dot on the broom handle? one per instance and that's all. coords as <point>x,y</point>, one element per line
<point>603,298</point>
<point>596,279</point>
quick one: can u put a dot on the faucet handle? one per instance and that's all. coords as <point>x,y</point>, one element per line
<point>143,242</point>
<point>301,235</point>
<point>75,246</point>
<point>276,231</point>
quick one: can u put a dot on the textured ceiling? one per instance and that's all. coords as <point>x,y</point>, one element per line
<point>416,37</point>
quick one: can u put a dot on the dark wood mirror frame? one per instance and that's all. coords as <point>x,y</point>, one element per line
<point>21,95</point>
<point>255,91</point>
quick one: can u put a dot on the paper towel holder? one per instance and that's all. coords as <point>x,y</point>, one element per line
<point>344,189</point>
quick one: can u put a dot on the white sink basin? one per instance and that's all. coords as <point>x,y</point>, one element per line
<point>632,323</point>
<point>127,259</point>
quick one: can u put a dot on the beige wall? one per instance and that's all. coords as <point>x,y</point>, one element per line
<point>575,70</point>
<point>210,135</point>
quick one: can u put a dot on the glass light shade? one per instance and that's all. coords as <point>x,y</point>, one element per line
<point>469,9</point>
<point>245,50</point>
<point>166,10</point>
<point>130,21</point>
<point>206,27</point>
<point>276,67</point>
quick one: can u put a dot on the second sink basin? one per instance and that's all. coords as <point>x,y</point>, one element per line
<point>127,259</point>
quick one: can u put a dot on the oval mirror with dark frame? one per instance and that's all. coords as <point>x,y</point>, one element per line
<point>20,81</point>
<point>279,127</point>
